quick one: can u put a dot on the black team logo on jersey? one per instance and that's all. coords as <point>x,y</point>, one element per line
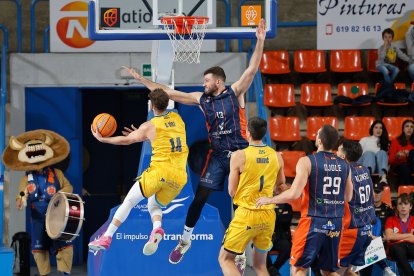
<point>248,227</point>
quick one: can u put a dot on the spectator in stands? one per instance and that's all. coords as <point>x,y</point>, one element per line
<point>409,39</point>
<point>382,212</point>
<point>399,231</point>
<point>387,57</point>
<point>375,150</point>
<point>401,153</point>
<point>282,239</point>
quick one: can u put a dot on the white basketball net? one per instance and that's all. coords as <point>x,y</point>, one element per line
<point>187,43</point>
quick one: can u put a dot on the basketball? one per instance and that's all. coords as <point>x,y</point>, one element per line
<point>105,124</point>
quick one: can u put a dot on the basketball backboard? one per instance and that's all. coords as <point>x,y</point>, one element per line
<point>134,20</point>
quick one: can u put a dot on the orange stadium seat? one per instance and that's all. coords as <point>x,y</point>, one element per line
<point>349,89</point>
<point>310,61</point>
<point>345,61</point>
<point>357,127</point>
<point>394,125</point>
<point>290,159</point>
<point>279,95</point>
<point>372,60</point>
<point>275,62</point>
<point>405,189</point>
<point>313,124</point>
<point>387,196</point>
<point>316,94</point>
<point>285,129</point>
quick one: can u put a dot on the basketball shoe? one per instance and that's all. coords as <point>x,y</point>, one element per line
<point>102,243</point>
<point>152,245</point>
<point>177,254</point>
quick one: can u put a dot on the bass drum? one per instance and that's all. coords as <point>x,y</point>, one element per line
<point>64,216</point>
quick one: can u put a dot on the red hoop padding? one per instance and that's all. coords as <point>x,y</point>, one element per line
<point>183,24</point>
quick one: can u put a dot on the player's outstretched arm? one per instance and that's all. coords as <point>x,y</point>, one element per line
<point>144,132</point>
<point>302,173</point>
<point>237,162</point>
<point>175,95</point>
<point>240,87</point>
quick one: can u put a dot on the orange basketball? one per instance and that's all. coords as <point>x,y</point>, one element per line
<point>105,124</point>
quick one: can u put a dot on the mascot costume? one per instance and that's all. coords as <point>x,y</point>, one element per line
<point>35,152</point>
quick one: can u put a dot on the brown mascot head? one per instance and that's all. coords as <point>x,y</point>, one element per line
<point>35,150</point>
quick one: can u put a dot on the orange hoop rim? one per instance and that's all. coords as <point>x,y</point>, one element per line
<point>180,21</point>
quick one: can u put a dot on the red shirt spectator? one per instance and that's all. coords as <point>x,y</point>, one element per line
<point>398,226</point>
<point>396,159</point>
<point>399,231</point>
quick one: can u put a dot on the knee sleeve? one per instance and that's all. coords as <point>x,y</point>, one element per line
<point>64,258</point>
<point>153,208</point>
<point>133,198</point>
<point>42,261</point>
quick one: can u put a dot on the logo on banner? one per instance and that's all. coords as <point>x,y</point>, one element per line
<point>251,15</point>
<point>110,17</point>
<point>73,28</point>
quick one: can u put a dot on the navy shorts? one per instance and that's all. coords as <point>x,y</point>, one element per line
<point>316,238</point>
<point>354,243</point>
<point>216,170</point>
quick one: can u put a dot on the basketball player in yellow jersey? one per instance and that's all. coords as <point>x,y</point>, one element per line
<point>254,171</point>
<point>166,175</point>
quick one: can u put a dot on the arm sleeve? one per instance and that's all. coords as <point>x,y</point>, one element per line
<point>381,56</point>
<point>401,55</point>
<point>409,39</point>
<point>65,185</point>
<point>376,228</point>
<point>22,187</point>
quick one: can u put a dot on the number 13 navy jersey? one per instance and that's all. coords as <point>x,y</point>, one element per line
<point>324,194</point>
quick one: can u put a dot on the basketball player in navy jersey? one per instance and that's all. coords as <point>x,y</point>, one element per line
<point>359,212</point>
<point>324,180</point>
<point>224,109</point>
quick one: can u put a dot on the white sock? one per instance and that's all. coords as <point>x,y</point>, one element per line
<point>188,231</point>
<point>156,224</point>
<point>111,230</point>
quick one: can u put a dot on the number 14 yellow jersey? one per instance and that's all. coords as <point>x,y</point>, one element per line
<point>170,144</point>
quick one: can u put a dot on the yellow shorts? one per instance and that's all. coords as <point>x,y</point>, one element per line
<point>163,180</point>
<point>247,225</point>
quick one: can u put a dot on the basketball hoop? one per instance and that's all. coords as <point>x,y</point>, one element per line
<point>186,34</point>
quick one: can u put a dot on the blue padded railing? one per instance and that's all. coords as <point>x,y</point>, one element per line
<point>19,23</point>
<point>33,25</point>
<point>3,98</point>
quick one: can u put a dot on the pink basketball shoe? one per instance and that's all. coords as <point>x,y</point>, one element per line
<point>152,245</point>
<point>102,243</point>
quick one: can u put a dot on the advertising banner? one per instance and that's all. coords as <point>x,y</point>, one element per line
<point>358,24</point>
<point>69,25</point>
<point>375,252</point>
